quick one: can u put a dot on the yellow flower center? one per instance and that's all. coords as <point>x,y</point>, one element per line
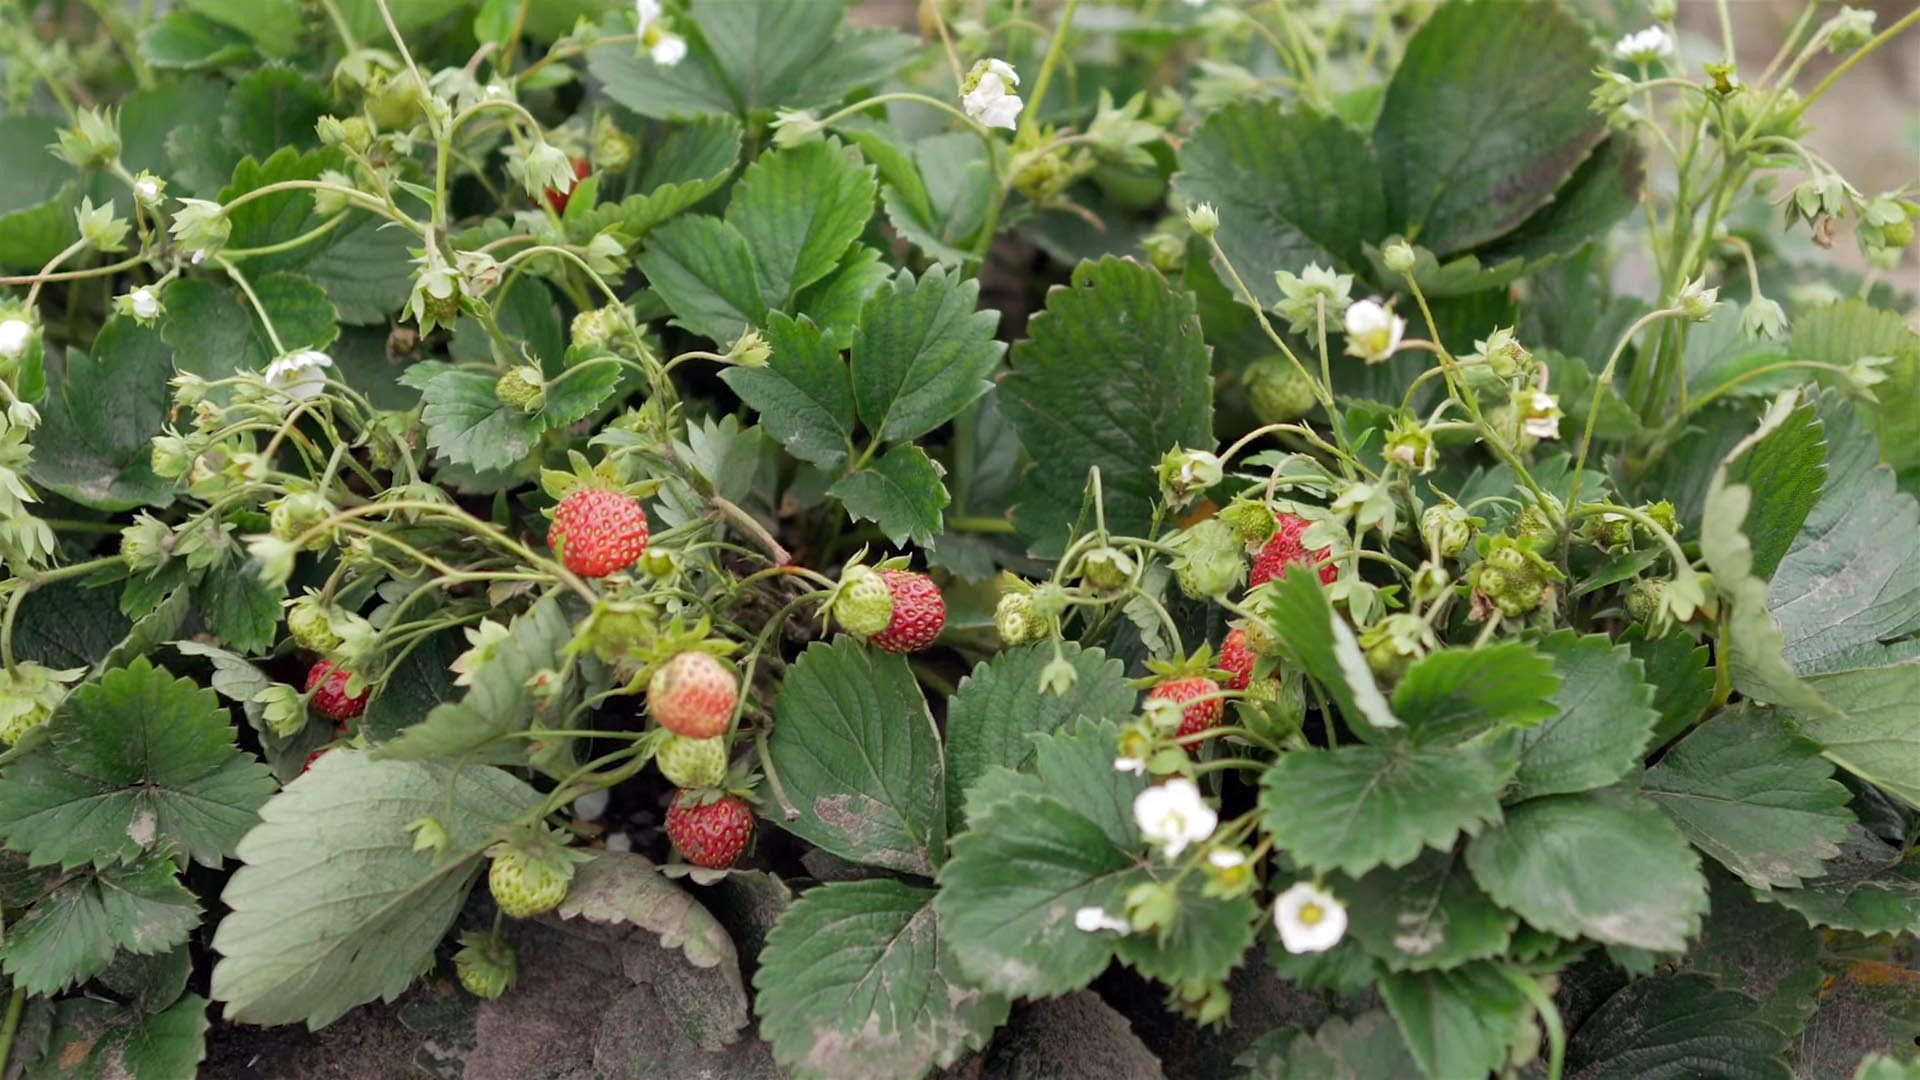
<point>1311,914</point>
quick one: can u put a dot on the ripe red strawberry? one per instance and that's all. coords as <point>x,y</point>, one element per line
<point>693,695</point>
<point>918,612</point>
<point>331,700</point>
<point>558,199</point>
<point>598,531</point>
<point>709,834</point>
<point>1199,716</point>
<point>1285,549</point>
<point>1236,658</point>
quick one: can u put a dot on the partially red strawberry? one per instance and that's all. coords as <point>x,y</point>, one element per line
<point>598,531</point>
<point>710,834</point>
<point>918,612</point>
<point>693,695</point>
<point>1236,659</point>
<point>1199,716</point>
<point>558,199</point>
<point>1285,549</point>
<point>331,700</point>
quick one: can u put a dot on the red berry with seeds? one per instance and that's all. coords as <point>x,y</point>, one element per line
<point>693,695</point>
<point>709,833</point>
<point>1200,715</point>
<point>598,531</point>
<point>558,199</point>
<point>1237,660</point>
<point>331,700</point>
<point>918,612</point>
<point>1285,549</point>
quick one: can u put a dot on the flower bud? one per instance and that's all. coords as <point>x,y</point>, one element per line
<point>146,544</point>
<point>98,226</point>
<point>1696,300</point>
<point>613,149</point>
<point>1203,219</point>
<point>750,349</point>
<point>1410,446</point>
<point>16,335</point>
<point>200,227</point>
<point>29,693</point>
<point>149,190</point>
<point>1398,257</point>
<point>795,127</point>
<point>1185,474</point>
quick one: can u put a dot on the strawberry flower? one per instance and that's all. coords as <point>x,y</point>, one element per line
<point>1373,331</point>
<point>300,375</point>
<point>1173,815</point>
<point>15,335</point>
<point>1310,920</point>
<point>666,48</point>
<point>988,95</point>
<point>1644,47</point>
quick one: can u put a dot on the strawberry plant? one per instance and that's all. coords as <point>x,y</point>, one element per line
<point>1225,539</point>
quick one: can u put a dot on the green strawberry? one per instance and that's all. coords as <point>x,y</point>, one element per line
<point>486,963</point>
<point>864,605</point>
<point>693,763</point>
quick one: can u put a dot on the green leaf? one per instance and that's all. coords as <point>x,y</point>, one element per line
<point>1603,720</point>
<point>837,301</point>
<point>1457,1023</point>
<point>1458,692</point>
<point>1850,329</point>
<point>67,625</point>
<point>1485,117</point>
<point>902,493</point>
<point>1750,637</point>
<point>30,237</point>
<point>274,106</point>
<point>704,270</point>
<point>725,455</point>
<point>1604,865</point>
<point>188,41</point>
<point>804,395</point>
<point>419,681</point>
<point>580,390</point>
<point>1303,621</point>
<point>858,755</point>
<point>922,353</point>
<point>367,272</point>
<point>468,424</point>
<point>1871,730</point>
<point>497,703</point>
<point>799,209</point>
<point>1604,189</point>
<point>99,1040</point>
<point>1359,807</point>
<point>940,202</point>
<point>33,175</point>
<point>1852,576</point>
<point>333,906</point>
<point>72,931</point>
<point>691,163</point>
<point>795,53</point>
<point>1425,916</point>
<point>1370,1045</point>
<point>1681,674</point>
<point>1112,375</point>
<point>1009,891</point>
<point>1072,763</point>
<point>1869,889</point>
<point>691,88</point>
<point>1752,794</point>
<point>1762,950</point>
<point>275,25</point>
<point>1785,471</point>
<point>997,709</point>
<point>1209,937</point>
<point>856,980</point>
<point>242,611</point>
<point>151,982</point>
<point>1293,186</point>
<point>1676,1027</point>
<point>136,762</point>
<point>273,219</point>
<point>99,417</point>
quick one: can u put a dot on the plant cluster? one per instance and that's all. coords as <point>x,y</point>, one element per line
<point>1439,548</point>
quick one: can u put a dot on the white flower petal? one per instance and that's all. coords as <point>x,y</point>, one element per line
<point>668,50</point>
<point>1130,765</point>
<point>1092,920</point>
<point>299,375</point>
<point>1173,815</point>
<point>1309,920</point>
<point>14,335</point>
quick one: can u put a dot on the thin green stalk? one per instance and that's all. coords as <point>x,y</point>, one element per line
<point>1029,118</point>
<point>1860,54</point>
